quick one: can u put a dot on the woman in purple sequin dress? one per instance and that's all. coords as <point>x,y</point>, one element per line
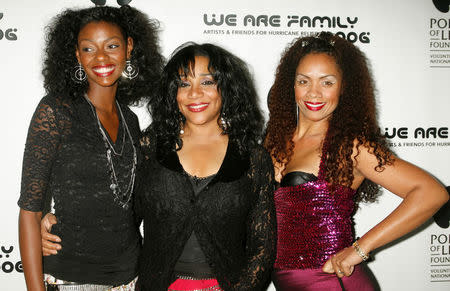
<point>329,155</point>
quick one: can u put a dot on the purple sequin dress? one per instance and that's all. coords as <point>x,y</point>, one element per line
<point>314,222</point>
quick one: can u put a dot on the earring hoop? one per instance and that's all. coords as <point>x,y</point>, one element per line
<point>130,71</point>
<point>79,74</point>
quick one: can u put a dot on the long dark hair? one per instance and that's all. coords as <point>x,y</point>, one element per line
<point>62,38</point>
<point>355,117</point>
<point>234,83</point>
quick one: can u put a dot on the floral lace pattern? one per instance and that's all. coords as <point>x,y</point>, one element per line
<point>65,159</point>
<point>233,218</point>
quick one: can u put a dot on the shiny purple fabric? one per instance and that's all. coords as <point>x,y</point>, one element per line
<point>316,280</point>
<point>314,222</point>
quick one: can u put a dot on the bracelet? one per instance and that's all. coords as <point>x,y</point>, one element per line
<point>360,252</point>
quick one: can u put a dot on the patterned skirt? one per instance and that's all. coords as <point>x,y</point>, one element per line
<point>56,284</point>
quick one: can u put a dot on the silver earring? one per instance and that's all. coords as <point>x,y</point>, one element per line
<point>224,124</point>
<point>181,131</point>
<point>130,71</point>
<point>79,75</point>
<point>296,106</point>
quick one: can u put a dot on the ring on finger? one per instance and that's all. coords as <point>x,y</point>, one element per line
<point>339,272</point>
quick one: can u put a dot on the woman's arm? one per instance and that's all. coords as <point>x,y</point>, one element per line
<point>30,248</point>
<point>422,197</point>
<point>40,150</point>
<point>261,238</point>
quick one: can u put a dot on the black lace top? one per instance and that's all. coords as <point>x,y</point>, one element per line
<point>192,261</point>
<point>65,158</point>
<point>233,218</point>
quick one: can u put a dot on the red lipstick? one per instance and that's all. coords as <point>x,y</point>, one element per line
<point>197,107</point>
<point>104,71</point>
<point>314,106</point>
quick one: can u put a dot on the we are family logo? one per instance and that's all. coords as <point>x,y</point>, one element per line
<point>404,136</point>
<point>263,25</point>
<point>7,33</point>
<point>7,262</point>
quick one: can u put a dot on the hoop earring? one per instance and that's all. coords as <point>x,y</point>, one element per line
<point>79,74</point>
<point>130,71</point>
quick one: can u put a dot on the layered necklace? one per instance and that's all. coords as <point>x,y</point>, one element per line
<point>121,196</point>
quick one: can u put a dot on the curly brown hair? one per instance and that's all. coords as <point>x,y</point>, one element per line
<point>354,119</point>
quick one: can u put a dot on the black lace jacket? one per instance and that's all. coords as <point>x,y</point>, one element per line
<point>65,159</point>
<point>233,218</point>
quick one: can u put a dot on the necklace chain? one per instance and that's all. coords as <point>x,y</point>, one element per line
<point>122,198</point>
<point>107,139</point>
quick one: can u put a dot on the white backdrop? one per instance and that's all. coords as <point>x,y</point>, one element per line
<point>407,43</point>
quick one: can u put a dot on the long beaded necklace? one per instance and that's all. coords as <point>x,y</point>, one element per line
<point>122,198</point>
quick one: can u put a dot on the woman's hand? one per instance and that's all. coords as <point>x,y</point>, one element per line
<point>342,263</point>
<point>49,247</point>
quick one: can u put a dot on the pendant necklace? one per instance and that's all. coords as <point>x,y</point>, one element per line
<point>121,197</point>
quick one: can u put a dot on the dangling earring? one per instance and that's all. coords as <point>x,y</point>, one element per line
<point>79,75</point>
<point>181,125</point>
<point>130,71</point>
<point>224,124</point>
<point>296,106</point>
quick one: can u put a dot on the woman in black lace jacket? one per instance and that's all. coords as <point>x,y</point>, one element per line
<point>206,194</point>
<point>82,149</point>
<point>206,186</point>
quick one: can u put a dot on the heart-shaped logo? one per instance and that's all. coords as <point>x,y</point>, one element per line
<point>99,2</point>
<point>442,217</point>
<point>123,2</point>
<point>442,5</point>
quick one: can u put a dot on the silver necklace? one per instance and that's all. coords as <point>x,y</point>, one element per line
<point>109,143</point>
<point>122,198</point>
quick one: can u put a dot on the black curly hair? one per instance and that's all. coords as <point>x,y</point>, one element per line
<point>62,39</point>
<point>234,83</point>
<point>354,119</point>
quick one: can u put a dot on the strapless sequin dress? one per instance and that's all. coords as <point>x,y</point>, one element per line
<point>314,222</point>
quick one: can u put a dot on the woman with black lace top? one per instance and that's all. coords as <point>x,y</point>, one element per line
<point>207,191</point>
<point>82,151</point>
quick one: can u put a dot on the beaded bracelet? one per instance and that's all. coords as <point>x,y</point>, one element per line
<point>360,252</point>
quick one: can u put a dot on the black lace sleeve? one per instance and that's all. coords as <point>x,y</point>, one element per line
<point>261,240</point>
<point>40,150</point>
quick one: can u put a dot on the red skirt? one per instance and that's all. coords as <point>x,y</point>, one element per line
<point>192,284</point>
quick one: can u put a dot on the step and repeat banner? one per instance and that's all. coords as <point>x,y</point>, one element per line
<point>408,46</point>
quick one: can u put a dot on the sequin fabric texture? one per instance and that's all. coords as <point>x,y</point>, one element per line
<point>314,222</point>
